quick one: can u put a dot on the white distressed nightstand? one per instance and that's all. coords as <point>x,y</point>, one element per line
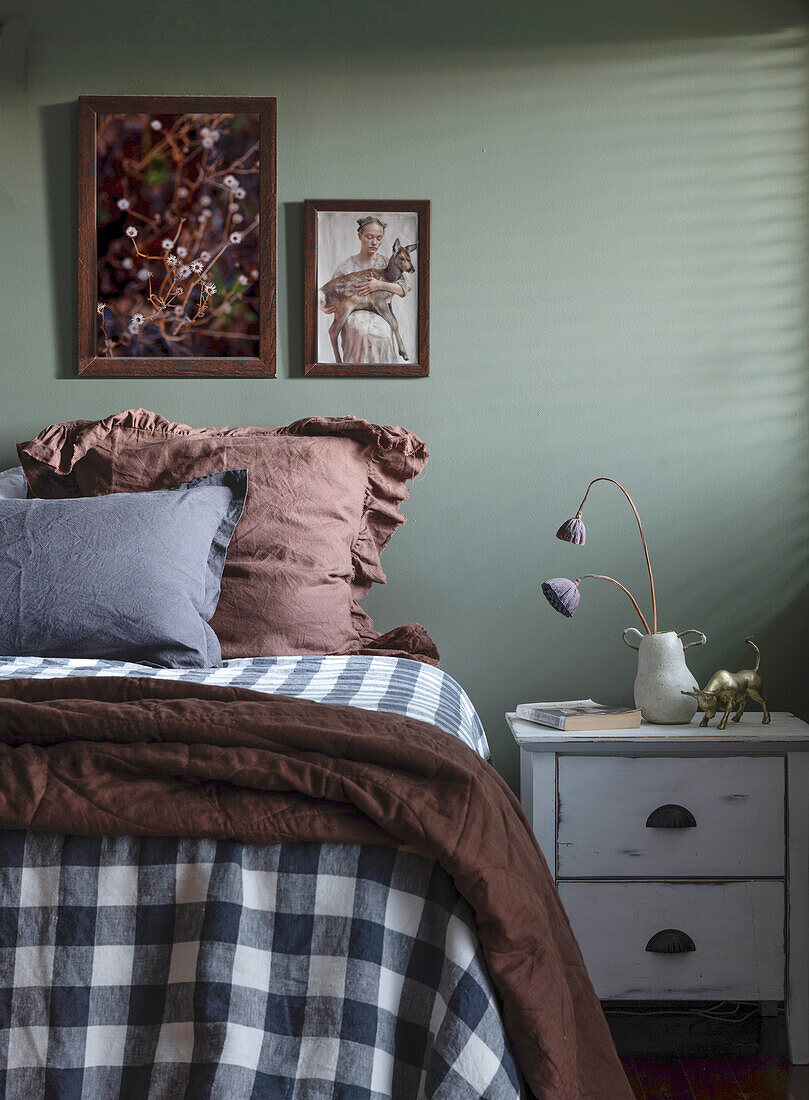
<point>699,835</point>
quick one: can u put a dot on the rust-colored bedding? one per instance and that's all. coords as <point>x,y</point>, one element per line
<point>123,757</point>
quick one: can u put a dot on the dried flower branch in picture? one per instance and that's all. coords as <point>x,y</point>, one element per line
<point>177,217</point>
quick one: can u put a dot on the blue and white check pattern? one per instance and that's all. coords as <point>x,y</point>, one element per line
<point>392,684</point>
<point>164,968</point>
<point>179,967</point>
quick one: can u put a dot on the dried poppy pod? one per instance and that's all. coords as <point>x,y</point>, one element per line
<point>563,594</point>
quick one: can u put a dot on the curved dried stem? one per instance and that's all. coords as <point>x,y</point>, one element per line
<point>642,539</point>
<point>612,580</point>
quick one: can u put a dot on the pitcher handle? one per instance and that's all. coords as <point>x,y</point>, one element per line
<point>701,640</point>
<point>632,630</point>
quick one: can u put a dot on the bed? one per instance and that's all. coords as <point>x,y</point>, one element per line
<point>141,966</point>
<point>288,876</point>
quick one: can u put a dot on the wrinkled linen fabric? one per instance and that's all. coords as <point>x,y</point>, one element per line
<point>116,756</point>
<point>394,684</point>
<point>125,576</point>
<point>324,501</point>
<point>199,968</point>
<point>411,641</point>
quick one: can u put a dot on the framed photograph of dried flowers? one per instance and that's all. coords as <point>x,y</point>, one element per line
<point>366,288</point>
<point>177,236</point>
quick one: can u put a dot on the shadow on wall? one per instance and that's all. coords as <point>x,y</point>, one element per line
<point>59,155</point>
<point>786,683</point>
<point>291,225</point>
<point>311,29</point>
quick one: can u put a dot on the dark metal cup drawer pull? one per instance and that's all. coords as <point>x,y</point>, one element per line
<point>671,816</point>
<point>671,941</point>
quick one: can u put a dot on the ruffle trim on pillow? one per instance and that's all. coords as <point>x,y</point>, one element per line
<point>385,438</point>
<point>49,458</point>
<point>398,456</point>
<point>60,446</point>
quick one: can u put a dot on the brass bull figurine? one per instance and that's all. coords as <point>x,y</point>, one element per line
<point>731,691</point>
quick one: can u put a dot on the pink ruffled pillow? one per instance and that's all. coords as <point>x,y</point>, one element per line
<point>323,502</point>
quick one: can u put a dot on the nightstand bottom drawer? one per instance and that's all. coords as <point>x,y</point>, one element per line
<point>730,944</point>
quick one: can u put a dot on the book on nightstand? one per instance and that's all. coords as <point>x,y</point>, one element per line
<point>579,714</point>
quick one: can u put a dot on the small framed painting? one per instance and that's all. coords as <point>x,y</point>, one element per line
<point>367,288</point>
<point>177,236</point>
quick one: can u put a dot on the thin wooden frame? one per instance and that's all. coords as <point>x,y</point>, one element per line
<point>91,364</point>
<point>418,369</point>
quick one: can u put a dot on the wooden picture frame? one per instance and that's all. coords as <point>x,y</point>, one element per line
<point>331,243</point>
<point>193,173</point>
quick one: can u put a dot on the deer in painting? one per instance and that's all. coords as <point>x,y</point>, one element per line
<point>342,295</point>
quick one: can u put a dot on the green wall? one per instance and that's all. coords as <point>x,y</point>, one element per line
<point>619,287</point>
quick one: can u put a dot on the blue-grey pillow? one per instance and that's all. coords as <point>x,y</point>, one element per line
<point>128,576</point>
<point>12,484</point>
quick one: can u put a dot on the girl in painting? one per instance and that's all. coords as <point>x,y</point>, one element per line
<point>366,337</point>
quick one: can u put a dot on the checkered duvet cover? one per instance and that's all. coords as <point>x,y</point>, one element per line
<point>178,967</point>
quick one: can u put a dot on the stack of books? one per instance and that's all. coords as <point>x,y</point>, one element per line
<point>579,714</point>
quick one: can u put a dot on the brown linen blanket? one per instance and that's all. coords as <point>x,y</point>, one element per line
<point>126,757</point>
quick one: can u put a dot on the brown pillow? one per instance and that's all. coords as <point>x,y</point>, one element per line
<point>323,503</point>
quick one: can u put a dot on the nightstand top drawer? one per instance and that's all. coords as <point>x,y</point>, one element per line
<point>670,817</point>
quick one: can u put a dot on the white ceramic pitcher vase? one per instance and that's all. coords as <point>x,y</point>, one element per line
<point>663,676</point>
